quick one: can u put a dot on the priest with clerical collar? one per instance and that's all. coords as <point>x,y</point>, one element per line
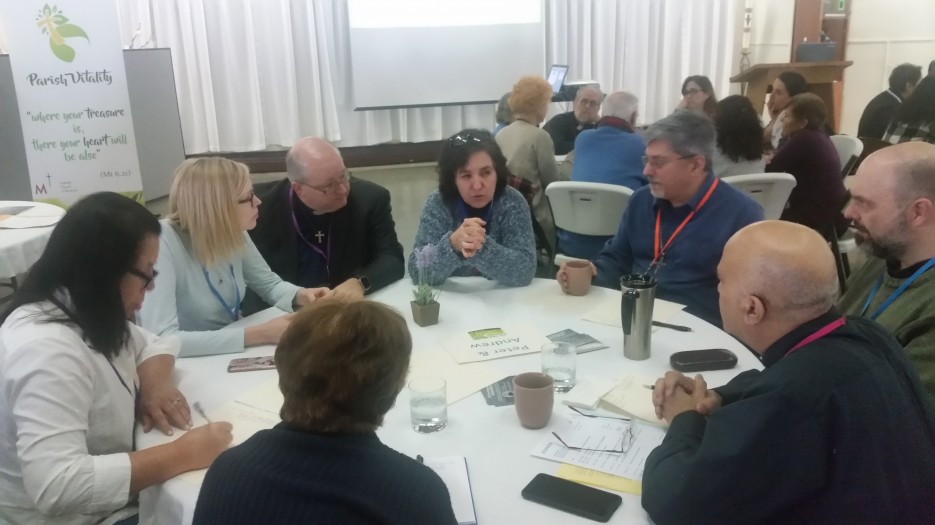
<point>836,428</point>
<point>892,208</point>
<point>322,227</point>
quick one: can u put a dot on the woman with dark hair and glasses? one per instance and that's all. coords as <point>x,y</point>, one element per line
<point>74,371</point>
<point>207,262</point>
<point>475,223</point>
<point>698,96</point>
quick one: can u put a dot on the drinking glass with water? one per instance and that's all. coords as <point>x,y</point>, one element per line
<point>428,404</point>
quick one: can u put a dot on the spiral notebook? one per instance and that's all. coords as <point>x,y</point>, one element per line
<point>453,471</point>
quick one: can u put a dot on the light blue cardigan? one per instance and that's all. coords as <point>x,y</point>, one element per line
<point>182,303</point>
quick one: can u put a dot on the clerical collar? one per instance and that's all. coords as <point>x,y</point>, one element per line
<point>892,269</point>
<point>615,122</point>
<point>777,350</point>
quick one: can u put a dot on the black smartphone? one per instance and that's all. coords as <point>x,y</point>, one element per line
<point>575,498</point>
<point>702,360</point>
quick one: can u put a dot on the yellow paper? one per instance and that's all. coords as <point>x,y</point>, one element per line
<point>599,479</point>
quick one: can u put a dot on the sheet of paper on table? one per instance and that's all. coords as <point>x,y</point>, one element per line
<point>486,343</point>
<point>608,312</point>
<point>627,465</point>
<point>599,479</point>
<point>633,396</point>
<point>453,471</point>
<point>461,380</point>
<point>247,420</point>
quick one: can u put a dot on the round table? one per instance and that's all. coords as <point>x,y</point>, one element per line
<point>20,248</point>
<point>496,447</point>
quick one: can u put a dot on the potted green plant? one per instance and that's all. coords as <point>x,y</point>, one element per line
<point>424,296</point>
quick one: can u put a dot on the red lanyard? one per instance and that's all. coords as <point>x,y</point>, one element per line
<point>657,253</point>
<point>821,332</point>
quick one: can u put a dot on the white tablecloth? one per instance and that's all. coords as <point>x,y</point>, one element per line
<point>495,445</point>
<point>21,248</point>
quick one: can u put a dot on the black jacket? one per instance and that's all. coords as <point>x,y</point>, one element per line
<point>564,129</point>
<point>877,115</point>
<point>837,432</point>
<point>365,243</point>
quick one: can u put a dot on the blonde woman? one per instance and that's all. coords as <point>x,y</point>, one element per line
<point>528,149</point>
<point>207,261</point>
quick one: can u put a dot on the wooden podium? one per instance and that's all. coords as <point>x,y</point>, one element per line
<point>821,77</point>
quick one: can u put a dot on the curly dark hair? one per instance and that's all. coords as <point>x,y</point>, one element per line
<point>455,154</point>
<point>919,107</point>
<point>92,248</point>
<point>739,132</point>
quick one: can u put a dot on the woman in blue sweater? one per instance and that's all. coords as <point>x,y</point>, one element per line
<point>475,223</point>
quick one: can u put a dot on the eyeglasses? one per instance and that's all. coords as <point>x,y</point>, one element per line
<point>626,442</point>
<point>147,279</point>
<point>332,186</point>
<point>249,198</point>
<point>589,103</point>
<point>691,91</point>
<point>468,137</point>
<point>661,162</point>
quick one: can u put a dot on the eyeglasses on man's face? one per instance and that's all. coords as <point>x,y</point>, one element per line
<point>147,279</point>
<point>342,181</point>
<point>661,162</point>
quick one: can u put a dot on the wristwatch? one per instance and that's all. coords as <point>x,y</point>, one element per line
<point>364,282</point>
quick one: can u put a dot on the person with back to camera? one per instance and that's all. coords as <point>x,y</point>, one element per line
<point>836,429</point>
<point>915,119</point>
<point>610,154</point>
<point>529,151</point>
<point>207,261</point>
<point>341,367</point>
<point>698,96</point>
<point>475,222</point>
<point>787,85</point>
<point>881,109</point>
<point>504,114</point>
<point>739,138</point>
<point>75,373</point>
<point>808,154</point>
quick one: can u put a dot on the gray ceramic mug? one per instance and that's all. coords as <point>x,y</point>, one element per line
<point>534,393</point>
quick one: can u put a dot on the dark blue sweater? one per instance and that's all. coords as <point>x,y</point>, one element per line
<point>688,274</point>
<point>289,476</point>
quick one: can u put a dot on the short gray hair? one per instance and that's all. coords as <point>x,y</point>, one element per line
<point>504,113</point>
<point>688,133</point>
<point>620,104</point>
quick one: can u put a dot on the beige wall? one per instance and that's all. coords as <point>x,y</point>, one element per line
<point>882,35</point>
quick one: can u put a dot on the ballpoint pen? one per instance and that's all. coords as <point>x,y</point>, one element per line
<point>676,327</point>
<point>201,412</point>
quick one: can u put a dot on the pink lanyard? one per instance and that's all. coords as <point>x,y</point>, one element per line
<point>821,332</point>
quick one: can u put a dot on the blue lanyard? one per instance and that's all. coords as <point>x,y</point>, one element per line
<point>234,311</point>
<point>902,288</point>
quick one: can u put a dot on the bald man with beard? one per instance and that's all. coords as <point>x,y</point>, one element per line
<point>892,198</point>
<point>835,429</point>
